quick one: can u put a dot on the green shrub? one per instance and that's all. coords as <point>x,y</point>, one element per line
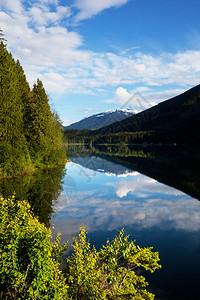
<point>27,269</point>
<point>29,262</point>
<point>112,272</point>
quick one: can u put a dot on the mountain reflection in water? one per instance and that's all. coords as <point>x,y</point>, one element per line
<point>146,195</point>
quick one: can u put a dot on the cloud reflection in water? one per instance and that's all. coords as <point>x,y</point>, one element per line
<point>109,202</point>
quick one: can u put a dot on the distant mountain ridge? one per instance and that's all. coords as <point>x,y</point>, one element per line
<point>100,120</point>
<point>102,165</point>
<point>177,118</point>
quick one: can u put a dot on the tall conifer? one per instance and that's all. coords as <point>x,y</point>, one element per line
<point>30,134</point>
<point>2,35</point>
<point>43,129</point>
<point>14,155</point>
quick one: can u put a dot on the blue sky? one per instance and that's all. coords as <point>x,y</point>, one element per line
<point>97,55</point>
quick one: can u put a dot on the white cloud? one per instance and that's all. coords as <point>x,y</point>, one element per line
<point>122,95</point>
<point>132,100</point>
<point>42,16</point>
<point>11,6</point>
<point>143,185</point>
<point>89,8</point>
<point>143,209</point>
<point>142,98</point>
<point>156,97</point>
<point>47,49</point>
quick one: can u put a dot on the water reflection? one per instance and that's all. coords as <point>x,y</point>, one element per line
<point>175,166</point>
<point>152,193</point>
<point>107,203</point>
<point>108,192</point>
<point>40,189</point>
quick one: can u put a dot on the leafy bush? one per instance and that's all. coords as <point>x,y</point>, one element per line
<point>29,262</point>
<point>112,272</point>
<point>27,269</point>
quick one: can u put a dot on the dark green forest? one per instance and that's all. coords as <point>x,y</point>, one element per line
<point>30,133</point>
<point>175,120</point>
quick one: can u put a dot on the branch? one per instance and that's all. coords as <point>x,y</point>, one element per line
<point>25,277</point>
<point>13,261</point>
<point>124,278</point>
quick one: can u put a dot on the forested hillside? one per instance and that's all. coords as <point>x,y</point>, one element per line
<point>173,120</point>
<point>30,134</point>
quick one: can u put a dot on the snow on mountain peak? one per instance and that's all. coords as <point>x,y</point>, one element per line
<point>125,110</point>
<point>99,120</point>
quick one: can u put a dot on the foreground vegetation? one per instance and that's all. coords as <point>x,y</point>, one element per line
<point>29,262</point>
<point>30,134</point>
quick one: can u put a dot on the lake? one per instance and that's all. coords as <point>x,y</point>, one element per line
<point>152,193</point>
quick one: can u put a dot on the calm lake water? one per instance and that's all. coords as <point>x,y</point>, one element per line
<point>106,195</point>
<point>152,194</point>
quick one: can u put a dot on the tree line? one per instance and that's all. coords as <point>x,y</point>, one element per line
<point>30,133</point>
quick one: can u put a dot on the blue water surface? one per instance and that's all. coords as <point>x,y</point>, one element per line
<point>106,197</point>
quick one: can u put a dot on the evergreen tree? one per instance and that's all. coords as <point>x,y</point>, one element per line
<point>30,134</point>
<point>14,154</point>
<point>43,130</point>
<point>2,35</point>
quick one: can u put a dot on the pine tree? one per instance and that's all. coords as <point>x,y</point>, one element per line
<point>2,35</point>
<point>14,154</point>
<point>43,129</point>
<point>30,134</point>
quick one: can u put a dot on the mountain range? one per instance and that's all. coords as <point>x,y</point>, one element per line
<point>173,121</point>
<point>172,166</point>
<point>99,164</point>
<point>100,120</point>
<point>166,113</point>
<point>176,119</point>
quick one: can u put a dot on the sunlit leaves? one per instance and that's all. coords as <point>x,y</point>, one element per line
<point>29,262</point>
<point>111,273</point>
<point>27,268</point>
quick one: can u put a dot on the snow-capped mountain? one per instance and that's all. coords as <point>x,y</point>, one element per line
<point>102,165</point>
<point>102,119</point>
